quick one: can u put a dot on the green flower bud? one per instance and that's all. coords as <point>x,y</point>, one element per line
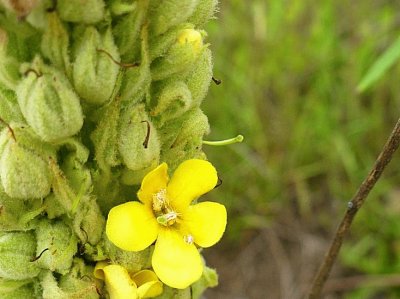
<point>137,80</point>
<point>81,11</point>
<point>55,42</point>
<point>57,245</point>
<point>77,174</point>
<point>133,261</point>
<point>127,31</point>
<point>18,289</point>
<point>49,104</point>
<point>80,282</point>
<point>69,286</point>
<point>198,81</point>
<point>203,12</point>
<point>9,108</point>
<point>208,279</point>
<point>17,251</point>
<point>180,56</point>
<point>104,137</point>
<point>159,45</point>
<point>172,101</point>
<point>24,174</point>
<point>95,73</point>
<point>17,214</point>
<point>89,222</point>
<point>9,66</point>
<point>182,138</point>
<point>139,145</point>
<point>165,14</point>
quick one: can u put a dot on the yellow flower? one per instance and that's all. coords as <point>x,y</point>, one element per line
<point>165,214</point>
<point>121,285</point>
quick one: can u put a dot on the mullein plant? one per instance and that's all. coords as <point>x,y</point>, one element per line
<point>99,107</point>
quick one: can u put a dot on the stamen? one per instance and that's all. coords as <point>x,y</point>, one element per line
<point>188,239</point>
<point>159,200</point>
<point>237,139</point>
<point>167,219</point>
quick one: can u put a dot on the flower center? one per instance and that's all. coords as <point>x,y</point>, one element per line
<point>163,211</point>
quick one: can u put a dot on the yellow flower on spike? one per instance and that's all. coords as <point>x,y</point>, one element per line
<point>165,215</point>
<point>121,285</point>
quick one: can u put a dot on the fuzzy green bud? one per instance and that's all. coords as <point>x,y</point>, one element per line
<point>165,14</point>
<point>104,137</point>
<point>72,285</point>
<point>9,72</point>
<point>182,138</point>
<point>18,289</point>
<point>88,222</point>
<point>139,145</point>
<point>198,81</point>
<point>180,56</point>
<point>133,261</point>
<point>55,42</point>
<point>9,108</point>
<point>203,12</point>
<point>57,245</point>
<point>18,214</point>
<point>208,279</point>
<point>95,73</point>
<point>127,31</point>
<point>17,252</point>
<point>24,174</point>
<point>173,100</point>
<point>49,104</point>
<point>79,282</point>
<point>81,11</point>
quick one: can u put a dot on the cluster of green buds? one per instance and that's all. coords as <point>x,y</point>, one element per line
<point>94,94</point>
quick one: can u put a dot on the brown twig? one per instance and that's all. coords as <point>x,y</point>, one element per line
<point>353,206</point>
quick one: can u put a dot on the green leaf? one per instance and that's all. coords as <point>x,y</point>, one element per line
<point>381,65</point>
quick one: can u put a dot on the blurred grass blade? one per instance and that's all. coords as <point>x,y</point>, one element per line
<point>381,65</point>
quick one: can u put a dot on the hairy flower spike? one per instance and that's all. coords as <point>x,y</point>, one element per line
<point>96,97</point>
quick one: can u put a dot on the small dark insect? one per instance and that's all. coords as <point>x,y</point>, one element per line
<point>216,81</point>
<point>146,140</point>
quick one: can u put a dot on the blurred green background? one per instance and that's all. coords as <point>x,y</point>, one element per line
<point>289,72</point>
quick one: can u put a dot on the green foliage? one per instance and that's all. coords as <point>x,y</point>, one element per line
<point>289,74</point>
<point>380,66</point>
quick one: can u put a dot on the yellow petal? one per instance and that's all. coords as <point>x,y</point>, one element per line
<point>176,262</point>
<point>150,289</point>
<point>191,179</point>
<point>148,284</point>
<point>119,284</point>
<point>98,270</point>
<point>152,183</point>
<point>144,276</point>
<point>206,222</point>
<point>131,226</point>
